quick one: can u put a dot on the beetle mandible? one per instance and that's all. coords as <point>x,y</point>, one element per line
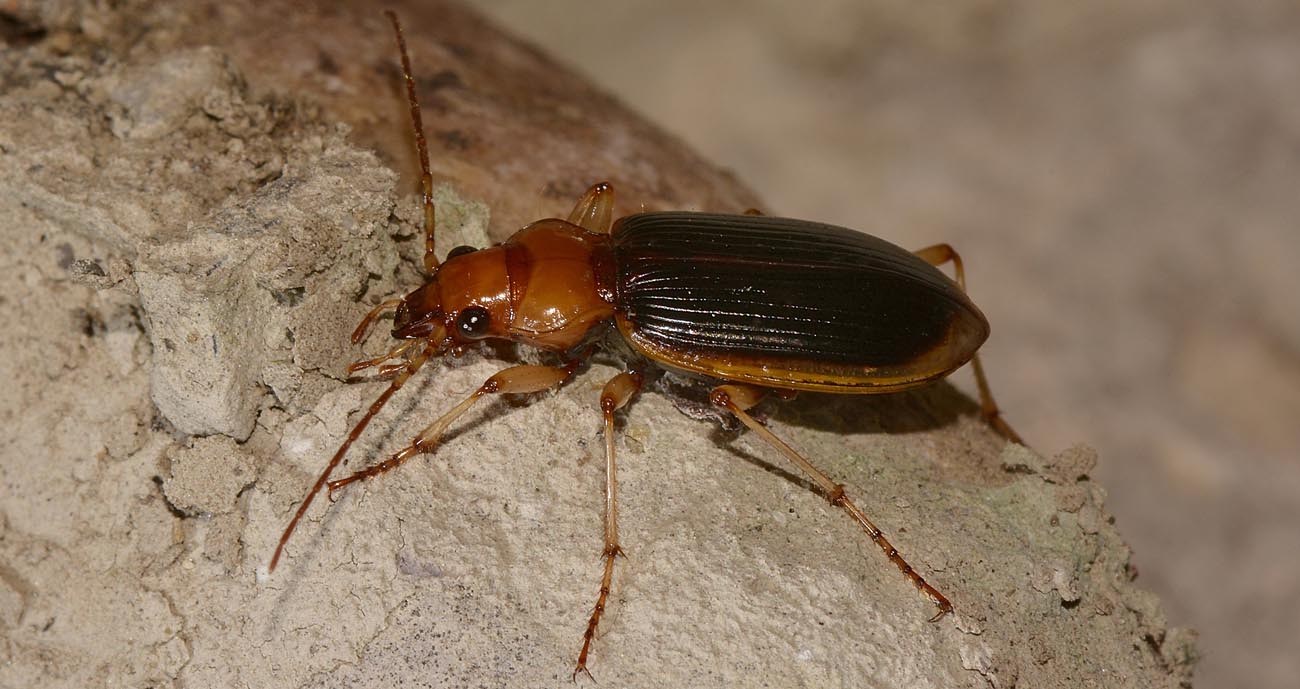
<point>755,304</point>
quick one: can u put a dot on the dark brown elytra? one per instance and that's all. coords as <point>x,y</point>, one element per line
<point>754,305</point>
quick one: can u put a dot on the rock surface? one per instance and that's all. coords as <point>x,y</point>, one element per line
<point>190,238</point>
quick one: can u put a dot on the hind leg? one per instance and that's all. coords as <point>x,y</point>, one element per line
<point>938,255</point>
<point>738,399</point>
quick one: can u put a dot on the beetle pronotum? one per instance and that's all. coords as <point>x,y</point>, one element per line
<point>754,304</point>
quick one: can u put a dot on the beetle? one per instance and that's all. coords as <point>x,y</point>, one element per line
<point>751,304</point>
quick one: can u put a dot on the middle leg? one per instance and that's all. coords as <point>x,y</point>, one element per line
<point>613,397</point>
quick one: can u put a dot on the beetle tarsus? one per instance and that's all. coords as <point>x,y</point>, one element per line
<point>944,608</point>
<point>581,669</point>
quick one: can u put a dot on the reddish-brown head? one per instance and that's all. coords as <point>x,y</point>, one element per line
<point>466,300</point>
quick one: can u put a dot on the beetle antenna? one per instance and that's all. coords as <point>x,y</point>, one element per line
<point>409,370</point>
<point>421,145</point>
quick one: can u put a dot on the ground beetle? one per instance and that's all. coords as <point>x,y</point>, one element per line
<point>753,304</point>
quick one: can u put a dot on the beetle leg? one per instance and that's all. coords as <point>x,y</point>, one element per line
<point>616,393</point>
<point>401,376</point>
<point>595,210</point>
<point>393,353</point>
<point>516,379</point>
<point>938,255</point>
<point>368,322</point>
<point>737,399</point>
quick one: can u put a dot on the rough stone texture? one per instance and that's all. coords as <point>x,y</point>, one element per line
<point>189,240</point>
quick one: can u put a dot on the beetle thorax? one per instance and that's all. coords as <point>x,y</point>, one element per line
<point>540,287</point>
<point>553,281</point>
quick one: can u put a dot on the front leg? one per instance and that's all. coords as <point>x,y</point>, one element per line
<point>594,212</point>
<point>516,379</point>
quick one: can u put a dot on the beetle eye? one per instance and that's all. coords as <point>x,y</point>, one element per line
<point>460,251</point>
<point>473,322</point>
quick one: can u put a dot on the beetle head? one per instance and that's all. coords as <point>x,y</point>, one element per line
<point>468,299</point>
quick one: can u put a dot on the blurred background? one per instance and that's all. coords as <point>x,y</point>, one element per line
<point>1123,180</point>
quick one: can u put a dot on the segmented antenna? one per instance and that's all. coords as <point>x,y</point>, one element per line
<point>421,145</point>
